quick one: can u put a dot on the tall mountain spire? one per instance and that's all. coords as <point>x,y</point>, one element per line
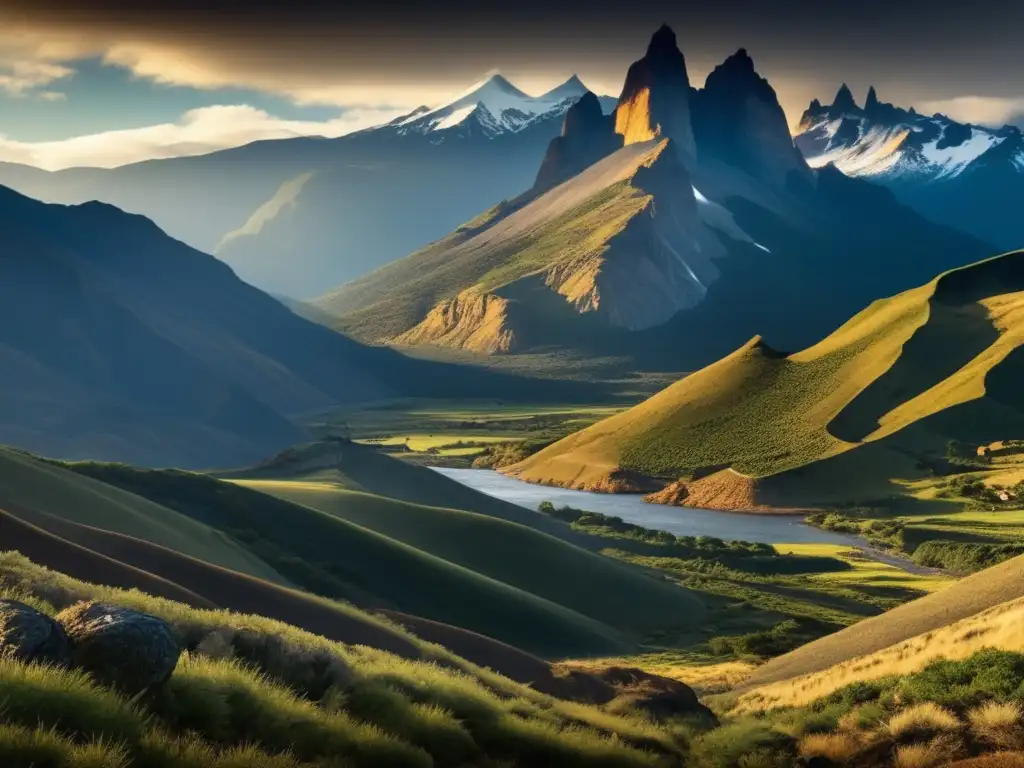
<point>844,100</point>
<point>655,100</point>
<point>737,118</point>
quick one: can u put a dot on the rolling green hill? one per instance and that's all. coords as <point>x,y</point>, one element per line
<point>534,562</point>
<point>30,487</point>
<point>882,393</point>
<point>336,558</point>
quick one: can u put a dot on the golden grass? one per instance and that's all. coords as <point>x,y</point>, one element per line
<point>1006,313</point>
<point>999,723</point>
<point>840,746</point>
<point>864,571</point>
<point>930,755</point>
<point>998,627</point>
<point>926,717</point>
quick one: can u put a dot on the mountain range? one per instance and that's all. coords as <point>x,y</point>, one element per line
<point>299,216</point>
<point>684,210</point>
<point>119,342</point>
<point>967,176</point>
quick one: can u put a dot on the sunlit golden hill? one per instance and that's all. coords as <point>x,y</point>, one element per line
<point>873,400</point>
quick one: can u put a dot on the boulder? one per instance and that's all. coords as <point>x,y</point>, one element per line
<point>120,647</point>
<point>29,635</point>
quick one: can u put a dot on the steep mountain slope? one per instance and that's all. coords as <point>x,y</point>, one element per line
<point>298,216</point>
<point>682,210</point>
<point>888,388</point>
<point>562,257</point>
<point>967,176</point>
<point>121,343</point>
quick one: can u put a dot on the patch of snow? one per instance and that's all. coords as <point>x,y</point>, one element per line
<point>454,118</point>
<point>1018,161</point>
<point>876,152</point>
<point>719,218</point>
<point>953,160</point>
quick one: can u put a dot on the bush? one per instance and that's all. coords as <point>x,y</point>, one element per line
<point>749,739</point>
<point>963,558</point>
<point>987,675</point>
<point>766,643</point>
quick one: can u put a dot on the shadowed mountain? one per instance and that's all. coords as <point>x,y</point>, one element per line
<point>695,212</point>
<point>121,343</point>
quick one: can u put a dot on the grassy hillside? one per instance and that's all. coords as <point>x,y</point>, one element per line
<point>31,488</point>
<point>534,562</point>
<point>336,558</point>
<point>278,696</point>
<point>963,599</point>
<point>892,386</point>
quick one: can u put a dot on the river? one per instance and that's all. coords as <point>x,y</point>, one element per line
<point>681,521</point>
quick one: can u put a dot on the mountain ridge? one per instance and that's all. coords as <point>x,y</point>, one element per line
<point>956,173</point>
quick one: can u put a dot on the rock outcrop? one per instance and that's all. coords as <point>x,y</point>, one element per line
<point>655,100</point>
<point>31,636</point>
<point>120,647</point>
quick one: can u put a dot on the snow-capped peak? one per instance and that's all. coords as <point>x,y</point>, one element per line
<point>571,88</point>
<point>496,105</point>
<point>888,143</point>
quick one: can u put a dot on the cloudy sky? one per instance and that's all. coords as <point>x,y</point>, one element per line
<point>104,82</point>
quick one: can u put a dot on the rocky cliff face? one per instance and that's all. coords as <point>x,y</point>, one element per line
<point>659,263</point>
<point>587,136</point>
<point>738,119</point>
<point>655,100</point>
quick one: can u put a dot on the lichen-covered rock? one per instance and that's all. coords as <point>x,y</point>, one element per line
<point>120,647</point>
<point>29,635</point>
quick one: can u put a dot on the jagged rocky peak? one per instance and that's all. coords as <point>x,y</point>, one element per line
<point>655,100</point>
<point>872,102</point>
<point>737,118</point>
<point>588,135</point>
<point>844,101</point>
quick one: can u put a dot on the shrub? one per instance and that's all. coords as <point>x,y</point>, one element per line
<point>964,557</point>
<point>989,674</point>
<point>726,745</point>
